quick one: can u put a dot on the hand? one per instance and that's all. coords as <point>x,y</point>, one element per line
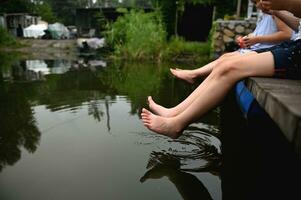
<point>269,12</point>
<point>240,41</point>
<point>265,7</point>
<point>249,41</point>
<point>237,39</point>
<point>273,5</point>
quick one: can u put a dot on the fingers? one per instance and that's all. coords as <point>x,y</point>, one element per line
<point>247,42</point>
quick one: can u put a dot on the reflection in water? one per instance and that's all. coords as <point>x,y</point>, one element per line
<point>36,70</point>
<point>108,112</point>
<point>37,66</point>
<point>94,109</point>
<point>18,126</point>
<point>204,154</point>
<point>28,71</point>
<point>189,186</point>
<point>76,91</point>
<point>200,152</point>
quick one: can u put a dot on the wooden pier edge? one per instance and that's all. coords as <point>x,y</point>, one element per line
<point>281,99</point>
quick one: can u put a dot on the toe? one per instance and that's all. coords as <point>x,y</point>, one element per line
<point>145,111</point>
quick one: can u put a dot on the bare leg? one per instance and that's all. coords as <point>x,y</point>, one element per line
<point>171,112</point>
<point>191,75</point>
<point>210,93</point>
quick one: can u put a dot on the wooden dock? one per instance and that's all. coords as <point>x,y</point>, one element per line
<point>281,99</point>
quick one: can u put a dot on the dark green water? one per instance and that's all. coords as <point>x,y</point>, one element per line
<point>74,132</point>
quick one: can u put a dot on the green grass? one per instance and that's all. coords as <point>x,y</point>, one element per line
<point>6,40</point>
<point>177,49</point>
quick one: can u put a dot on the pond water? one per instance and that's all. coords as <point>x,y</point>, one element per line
<point>72,130</point>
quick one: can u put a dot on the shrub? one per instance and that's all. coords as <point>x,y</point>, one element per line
<point>6,39</point>
<point>137,35</point>
<point>141,36</point>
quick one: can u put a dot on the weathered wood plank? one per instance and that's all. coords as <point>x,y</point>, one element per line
<point>281,99</point>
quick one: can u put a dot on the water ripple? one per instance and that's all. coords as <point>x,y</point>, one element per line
<point>194,151</point>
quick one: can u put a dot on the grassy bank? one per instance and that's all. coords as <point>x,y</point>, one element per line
<point>179,50</point>
<point>6,40</point>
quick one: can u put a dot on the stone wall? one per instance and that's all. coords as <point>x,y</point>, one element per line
<point>227,31</point>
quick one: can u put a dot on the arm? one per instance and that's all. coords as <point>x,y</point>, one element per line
<point>293,6</point>
<point>284,33</point>
<point>287,18</point>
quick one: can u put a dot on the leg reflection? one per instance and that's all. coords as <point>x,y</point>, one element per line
<point>189,186</point>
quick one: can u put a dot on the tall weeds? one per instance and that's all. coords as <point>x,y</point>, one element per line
<point>137,36</point>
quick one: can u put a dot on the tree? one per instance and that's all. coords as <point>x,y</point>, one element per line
<point>44,10</point>
<point>16,6</point>
<point>65,10</point>
<point>172,10</point>
<point>238,8</point>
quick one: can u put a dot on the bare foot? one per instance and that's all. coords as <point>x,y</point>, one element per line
<point>162,125</point>
<point>186,75</point>
<point>159,110</point>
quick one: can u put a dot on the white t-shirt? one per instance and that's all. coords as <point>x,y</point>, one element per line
<point>266,25</point>
<point>298,34</point>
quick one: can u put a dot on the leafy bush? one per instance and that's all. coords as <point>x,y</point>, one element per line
<point>6,39</point>
<point>45,11</point>
<point>137,35</point>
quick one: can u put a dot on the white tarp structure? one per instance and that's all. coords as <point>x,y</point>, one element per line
<point>93,43</point>
<point>96,43</point>
<point>59,31</point>
<point>34,31</point>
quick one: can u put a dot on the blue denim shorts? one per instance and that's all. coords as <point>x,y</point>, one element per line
<point>287,59</point>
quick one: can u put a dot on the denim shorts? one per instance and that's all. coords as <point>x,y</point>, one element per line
<point>287,59</point>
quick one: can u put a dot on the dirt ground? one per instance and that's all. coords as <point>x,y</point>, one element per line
<point>45,49</point>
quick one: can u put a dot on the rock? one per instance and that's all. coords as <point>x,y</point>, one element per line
<point>240,29</point>
<point>231,26</point>
<point>228,33</point>
<point>227,39</point>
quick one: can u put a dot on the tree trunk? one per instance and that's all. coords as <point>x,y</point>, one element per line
<point>238,9</point>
